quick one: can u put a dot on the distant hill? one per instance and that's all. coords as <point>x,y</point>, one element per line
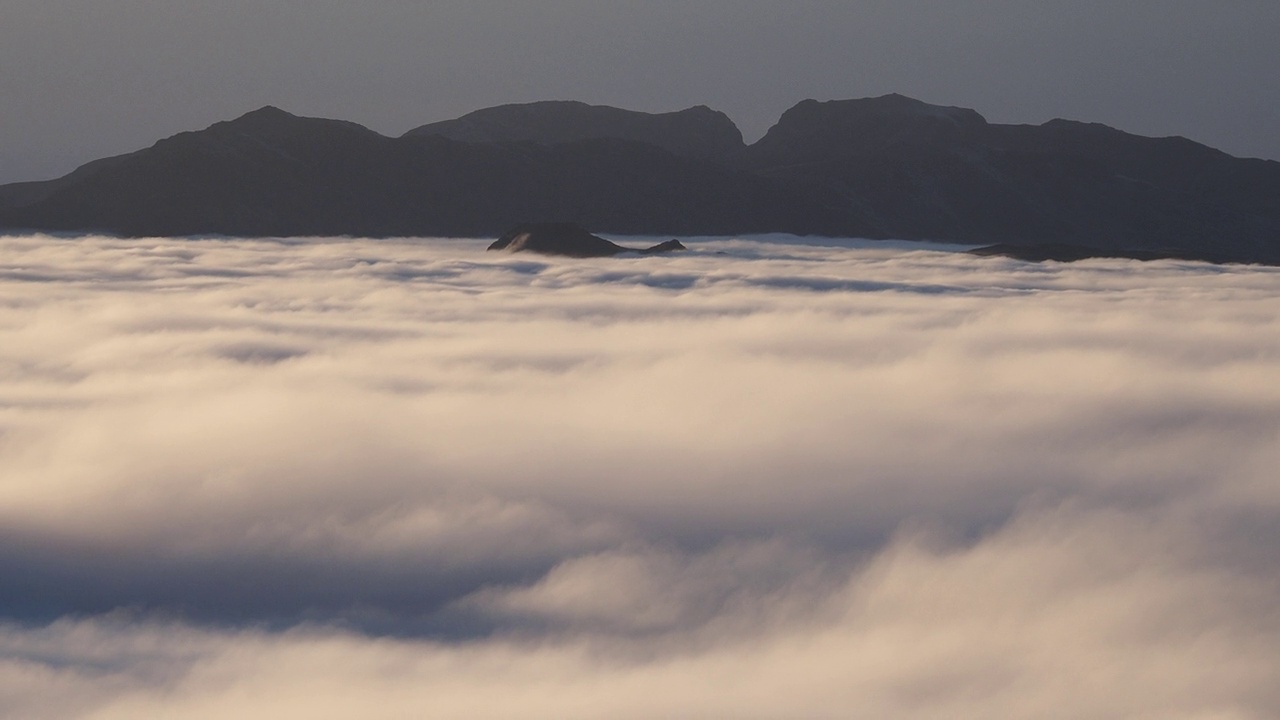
<point>888,167</point>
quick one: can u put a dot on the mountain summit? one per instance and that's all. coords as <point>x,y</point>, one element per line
<point>695,132</point>
<point>814,131</point>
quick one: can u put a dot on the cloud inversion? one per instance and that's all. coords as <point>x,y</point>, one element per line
<point>767,478</point>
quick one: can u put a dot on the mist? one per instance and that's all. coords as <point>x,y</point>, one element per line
<point>770,477</point>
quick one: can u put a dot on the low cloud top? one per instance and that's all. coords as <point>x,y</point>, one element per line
<point>765,478</point>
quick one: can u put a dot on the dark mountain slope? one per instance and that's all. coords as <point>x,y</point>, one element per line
<point>1122,191</point>
<point>818,132</point>
<point>266,172</point>
<point>271,173</point>
<point>888,167</point>
<point>696,132</point>
<point>905,169</point>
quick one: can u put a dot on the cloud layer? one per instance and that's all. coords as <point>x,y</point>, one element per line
<point>766,478</point>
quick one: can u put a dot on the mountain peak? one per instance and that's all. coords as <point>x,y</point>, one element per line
<point>264,113</point>
<point>270,122</point>
<point>265,118</point>
<point>893,104</point>
<point>696,132</point>
<point>812,129</point>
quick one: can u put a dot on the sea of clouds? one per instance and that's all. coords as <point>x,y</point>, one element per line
<point>766,478</point>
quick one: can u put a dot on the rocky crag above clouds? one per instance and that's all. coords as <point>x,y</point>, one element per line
<point>570,240</point>
<point>888,167</point>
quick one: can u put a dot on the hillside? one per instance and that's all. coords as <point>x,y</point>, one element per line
<point>888,167</point>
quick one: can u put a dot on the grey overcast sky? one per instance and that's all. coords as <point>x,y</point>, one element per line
<point>81,79</point>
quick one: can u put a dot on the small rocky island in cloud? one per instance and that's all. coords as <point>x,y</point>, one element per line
<point>570,240</point>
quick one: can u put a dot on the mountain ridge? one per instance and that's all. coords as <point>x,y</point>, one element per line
<point>887,167</point>
<point>697,131</point>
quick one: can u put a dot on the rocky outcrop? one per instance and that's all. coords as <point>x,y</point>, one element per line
<point>669,246</point>
<point>569,240</point>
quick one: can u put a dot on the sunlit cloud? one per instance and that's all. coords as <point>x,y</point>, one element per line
<point>765,478</point>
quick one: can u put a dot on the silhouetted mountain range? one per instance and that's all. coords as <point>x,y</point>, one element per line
<point>696,132</point>
<point>888,167</point>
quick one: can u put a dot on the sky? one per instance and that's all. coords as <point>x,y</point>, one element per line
<point>82,79</point>
<point>765,478</point>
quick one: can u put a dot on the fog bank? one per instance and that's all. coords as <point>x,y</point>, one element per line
<point>764,478</point>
